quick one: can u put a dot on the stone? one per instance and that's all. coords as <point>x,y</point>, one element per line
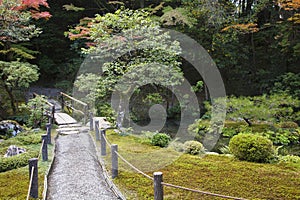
<point>14,150</point>
<point>9,128</point>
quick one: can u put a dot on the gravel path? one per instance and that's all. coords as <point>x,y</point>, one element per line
<point>76,173</point>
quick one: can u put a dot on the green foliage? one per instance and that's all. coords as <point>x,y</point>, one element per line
<point>160,139</point>
<point>17,74</point>
<point>253,148</point>
<point>193,147</point>
<point>37,108</point>
<point>288,83</point>
<point>105,110</point>
<point>86,88</point>
<point>289,159</point>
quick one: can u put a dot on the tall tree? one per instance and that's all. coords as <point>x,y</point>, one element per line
<point>17,27</point>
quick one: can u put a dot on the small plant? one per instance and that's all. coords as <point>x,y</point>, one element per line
<point>193,147</point>
<point>37,108</point>
<point>160,139</point>
<point>251,147</point>
<point>224,150</point>
<point>289,159</point>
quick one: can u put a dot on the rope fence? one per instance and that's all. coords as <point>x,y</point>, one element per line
<point>33,165</point>
<point>157,176</point>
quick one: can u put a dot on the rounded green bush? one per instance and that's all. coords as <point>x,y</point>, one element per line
<point>160,139</point>
<point>193,147</point>
<point>251,147</point>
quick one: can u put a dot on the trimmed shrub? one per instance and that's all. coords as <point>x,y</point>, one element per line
<point>160,139</point>
<point>193,147</point>
<point>251,147</point>
<point>16,161</point>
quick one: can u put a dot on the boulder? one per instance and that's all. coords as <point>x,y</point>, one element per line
<point>14,150</point>
<point>9,128</point>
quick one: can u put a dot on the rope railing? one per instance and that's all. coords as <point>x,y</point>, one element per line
<point>133,167</point>
<point>201,192</point>
<point>72,104</point>
<point>158,183</point>
<point>33,165</point>
<point>30,183</point>
<point>40,151</point>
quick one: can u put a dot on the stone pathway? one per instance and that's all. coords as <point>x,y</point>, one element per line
<point>76,172</point>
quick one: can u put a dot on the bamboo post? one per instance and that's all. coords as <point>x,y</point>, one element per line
<point>34,189</point>
<point>45,147</point>
<point>103,143</point>
<point>48,128</point>
<point>114,161</point>
<point>158,187</point>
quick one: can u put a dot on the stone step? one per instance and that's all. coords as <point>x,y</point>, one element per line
<point>69,126</point>
<point>66,129</point>
<point>68,132</point>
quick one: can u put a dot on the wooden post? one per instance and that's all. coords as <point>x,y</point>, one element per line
<point>45,147</point>
<point>34,189</point>
<point>97,131</point>
<point>158,187</point>
<point>62,103</point>
<point>103,143</point>
<point>52,114</point>
<point>85,114</point>
<point>92,122</point>
<point>48,128</point>
<point>114,161</point>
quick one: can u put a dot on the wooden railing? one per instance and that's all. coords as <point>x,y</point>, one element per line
<point>69,102</point>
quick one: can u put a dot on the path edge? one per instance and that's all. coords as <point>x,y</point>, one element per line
<point>45,192</point>
<point>107,179</point>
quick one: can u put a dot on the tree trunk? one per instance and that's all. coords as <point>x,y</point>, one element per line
<point>247,121</point>
<point>12,98</point>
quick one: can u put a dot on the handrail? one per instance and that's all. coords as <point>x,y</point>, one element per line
<point>72,98</point>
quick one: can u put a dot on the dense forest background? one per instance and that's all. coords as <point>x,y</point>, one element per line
<point>255,44</point>
<point>252,42</point>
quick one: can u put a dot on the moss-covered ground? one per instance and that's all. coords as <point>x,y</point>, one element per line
<point>213,173</point>
<point>14,183</point>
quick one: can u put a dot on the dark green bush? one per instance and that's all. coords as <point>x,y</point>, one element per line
<point>17,161</point>
<point>193,147</point>
<point>160,139</point>
<point>251,147</point>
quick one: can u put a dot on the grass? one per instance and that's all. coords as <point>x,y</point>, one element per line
<point>14,183</point>
<point>216,174</point>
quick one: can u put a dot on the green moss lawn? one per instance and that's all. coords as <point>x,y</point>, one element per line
<point>217,174</point>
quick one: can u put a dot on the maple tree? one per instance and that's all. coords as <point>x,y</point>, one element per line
<point>17,27</point>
